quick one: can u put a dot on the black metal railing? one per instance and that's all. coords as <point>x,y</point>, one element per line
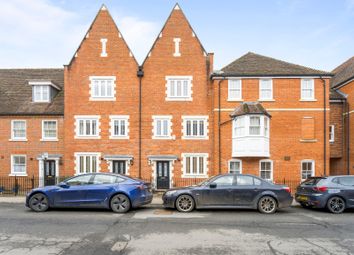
<point>20,185</point>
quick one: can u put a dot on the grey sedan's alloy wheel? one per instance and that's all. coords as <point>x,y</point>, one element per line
<point>336,205</point>
<point>185,203</point>
<point>120,203</point>
<point>267,204</point>
<point>39,202</point>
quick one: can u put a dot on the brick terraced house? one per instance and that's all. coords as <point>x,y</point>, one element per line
<point>171,120</point>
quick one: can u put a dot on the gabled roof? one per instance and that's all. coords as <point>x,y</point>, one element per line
<point>252,64</point>
<point>175,8</point>
<point>343,73</point>
<point>16,93</point>
<point>102,9</point>
<point>249,108</point>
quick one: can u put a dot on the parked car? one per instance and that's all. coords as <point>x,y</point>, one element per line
<point>230,191</point>
<point>112,191</point>
<point>336,193</point>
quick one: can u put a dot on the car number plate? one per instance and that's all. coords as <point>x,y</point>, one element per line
<point>302,198</point>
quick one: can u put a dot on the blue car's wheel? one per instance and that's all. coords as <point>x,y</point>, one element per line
<point>39,202</point>
<point>120,203</point>
<point>267,204</point>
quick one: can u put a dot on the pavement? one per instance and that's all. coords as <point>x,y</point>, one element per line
<point>153,230</point>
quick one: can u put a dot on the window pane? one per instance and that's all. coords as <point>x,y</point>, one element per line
<point>235,167</point>
<point>195,165</point>
<point>172,88</point>
<point>188,124</point>
<point>165,127</point>
<point>201,128</point>
<point>188,165</point>
<point>195,128</point>
<point>185,88</point>
<point>179,88</point>
<point>88,164</point>
<point>81,164</point>
<point>224,180</point>
<point>94,164</point>
<point>122,127</point>
<point>201,165</point>
<point>94,127</point>
<point>244,180</point>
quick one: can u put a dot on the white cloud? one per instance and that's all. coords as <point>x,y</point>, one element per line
<point>139,34</point>
<point>35,33</point>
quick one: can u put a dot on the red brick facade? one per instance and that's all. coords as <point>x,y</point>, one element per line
<point>177,62</point>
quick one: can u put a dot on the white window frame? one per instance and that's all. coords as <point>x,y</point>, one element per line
<point>77,156</point>
<point>229,89</point>
<point>93,79</point>
<point>271,170</point>
<point>155,119</point>
<point>261,89</point>
<point>313,167</point>
<point>198,174</point>
<point>41,88</point>
<point>331,133</point>
<point>87,118</point>
<point>187,118</point>
<point>13,173</point>
<point>312,81</point>
<point>264,130</point>
<point>13,138</point>
<point>235,161</point>
<point>114,118</point>
<point>189,80</point>
<point>56,131</point>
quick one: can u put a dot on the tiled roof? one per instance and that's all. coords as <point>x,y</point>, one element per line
<point>249,108</point>
<point>343,73</point>
<point>16,94</point>
<point>252,64</point>
<point>335,95</point>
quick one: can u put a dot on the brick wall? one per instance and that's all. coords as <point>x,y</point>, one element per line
<point>287,148</point>
<point>33,147</point>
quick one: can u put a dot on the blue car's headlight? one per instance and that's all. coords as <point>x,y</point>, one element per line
<point>171,192</point>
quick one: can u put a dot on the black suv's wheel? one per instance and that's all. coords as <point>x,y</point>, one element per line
<point>38,202</point>
<point>185,203</point>
<point>120,203</point>
<point>336,205</point>
<point>267,204</point>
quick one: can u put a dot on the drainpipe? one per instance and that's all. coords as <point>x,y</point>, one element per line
<point>140,75</point>
<point>348,140</point>
<point>219,123</point>
<point>324,128</point>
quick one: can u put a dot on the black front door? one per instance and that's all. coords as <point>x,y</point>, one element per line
<point>49,172</point>
<point>119,167</point>
<point>163,174</point>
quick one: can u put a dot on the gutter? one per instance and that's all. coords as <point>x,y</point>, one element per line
<point>140,74</point>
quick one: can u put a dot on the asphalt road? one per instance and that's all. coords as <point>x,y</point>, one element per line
<point>158,231</point>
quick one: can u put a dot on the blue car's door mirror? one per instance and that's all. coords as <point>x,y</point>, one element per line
<point>212,185</point>
<point>64,185</point>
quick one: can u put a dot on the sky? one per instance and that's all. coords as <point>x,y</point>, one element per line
<point>313,33</point>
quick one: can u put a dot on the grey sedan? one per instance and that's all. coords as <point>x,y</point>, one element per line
<point>336,193</point>
<point>230,191</point>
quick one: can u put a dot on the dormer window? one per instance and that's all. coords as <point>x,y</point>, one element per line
<point>41,94</point>
<point>43,90</point>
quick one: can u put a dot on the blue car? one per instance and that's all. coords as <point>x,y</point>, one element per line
<point>112,191</point>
